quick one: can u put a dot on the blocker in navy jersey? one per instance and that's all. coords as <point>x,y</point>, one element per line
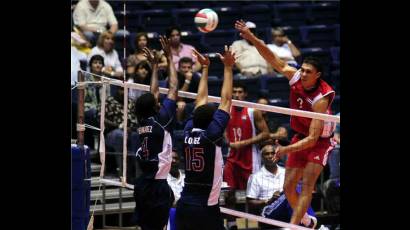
<point>203,175</point>
<point>152,194</point>
<point>154,155</point>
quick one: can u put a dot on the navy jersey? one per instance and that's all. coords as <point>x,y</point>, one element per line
<point>154,156</point>
<point>203,161</point>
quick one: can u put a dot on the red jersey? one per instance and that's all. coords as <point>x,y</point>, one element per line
<point>241,127</point>
<point>303,100</point>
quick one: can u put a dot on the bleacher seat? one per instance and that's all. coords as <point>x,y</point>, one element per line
<point>216,40</point>
<point>289,14</point>
<point>258,14</point>
<point>166,5</point>
<point>214,87</point>
<point>278,88</point>
<point>327,13</point>
<point>227,17</point>
<point>322,53</point>
<point>233,4</point>
<point>335,54</point>
<point>217,67</point>
<point>319,35</point>
<point>196,4</point>
<point>185,18</point>
<point>157,20</point>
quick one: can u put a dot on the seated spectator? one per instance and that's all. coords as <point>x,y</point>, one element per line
<point>114,111</point>
<point>265,192</point>
<point>105,48</point>
<point>142,75</point>
<point>179,49</point>
<point>92,99</point>
<point>141,41</point>
<point>176,176</point>
<point>249,62</point>
<point>188,81</point>
<point>175,180</point>
<point>93,16</point>
<point>283,47</point>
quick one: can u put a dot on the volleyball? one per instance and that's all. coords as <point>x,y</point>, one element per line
<point>206,20</point>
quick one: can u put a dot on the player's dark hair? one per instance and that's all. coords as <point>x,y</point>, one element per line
<point>145,106</point>
<point>315,62</point>
<point>238,84</point>
<point>203,116</point>
<point>185,60</point>
<point>96,57</point>
<point>170,29</point>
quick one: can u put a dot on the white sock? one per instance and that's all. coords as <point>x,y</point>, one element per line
<point>306,219</point>
<point>231,223</point>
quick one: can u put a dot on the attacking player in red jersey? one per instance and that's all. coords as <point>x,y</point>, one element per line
<point>309,148</point>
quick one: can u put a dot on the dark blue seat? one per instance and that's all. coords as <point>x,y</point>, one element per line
<point>166,5</point>
<point>216,40</point>
<point>233,4</point>
<point>216,68</point>
<point>289,14</point>
<point>196,4</point>
<point>185,18</point>
<point>335,54</point>
<point>278,88</point>
<point>227,17</point>
<point>260,14</point>
<point>319,35</point>
<point>324,13</point>
<point>214,87</point>
<point>157,20</point>
<point>322,53</point>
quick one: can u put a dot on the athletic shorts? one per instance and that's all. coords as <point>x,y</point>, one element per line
<point>153,200</point>
<point>317,154</point>
<point>195,217</point>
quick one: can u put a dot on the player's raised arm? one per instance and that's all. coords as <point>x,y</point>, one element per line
<point>154,58</point>
<point>279,65</point>
<point>172,79</point>
<point>202,97</point>
<point>228,59</point>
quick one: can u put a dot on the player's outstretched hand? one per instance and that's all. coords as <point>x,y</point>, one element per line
<point>244,31</point>
<point>203,60</point>
<point>229,56</point>
<point>165,45</point>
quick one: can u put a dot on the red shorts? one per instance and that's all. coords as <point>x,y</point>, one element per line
<point>317,154</point>
<point>236,177</point>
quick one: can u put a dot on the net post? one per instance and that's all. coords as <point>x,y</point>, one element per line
<point>80,110</point>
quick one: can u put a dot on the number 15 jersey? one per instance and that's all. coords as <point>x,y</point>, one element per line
<point>203,161</point>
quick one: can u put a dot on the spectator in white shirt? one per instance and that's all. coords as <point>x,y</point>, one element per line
<point>93,17</point>
<point>265,190</point>
<point>105,48</point>
<point>283,47</point>
<point>176,176</point>
<point>249,62</point>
